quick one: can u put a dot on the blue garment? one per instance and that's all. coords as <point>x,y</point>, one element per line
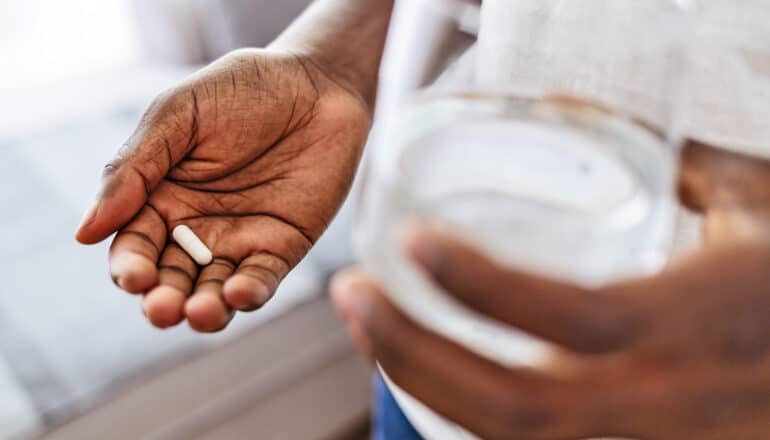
<point>390,423</point>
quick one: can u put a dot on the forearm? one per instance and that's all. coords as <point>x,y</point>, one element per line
<point>345,37</point>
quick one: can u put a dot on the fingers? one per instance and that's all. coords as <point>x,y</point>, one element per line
<point>134,252</point>
<point>177,272</point>
<point>578,319</point>
<point>266,249</point>
<point>714,179</point>
<point>206,309</point>
<point>251,257</point>
<point>161,140</point>
<point>492,401</point>
<point>607,397</point>
<point>255,281</point>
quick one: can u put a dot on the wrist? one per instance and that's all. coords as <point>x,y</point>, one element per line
<point>344,39</point>
<point>328,65</point>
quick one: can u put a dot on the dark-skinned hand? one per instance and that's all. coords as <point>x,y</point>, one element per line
<point>255,153</point>
<point>681,355</point>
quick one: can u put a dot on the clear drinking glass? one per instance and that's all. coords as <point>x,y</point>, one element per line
<point>544,132</point>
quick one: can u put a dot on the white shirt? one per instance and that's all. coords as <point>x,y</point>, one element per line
<point>727,73</point>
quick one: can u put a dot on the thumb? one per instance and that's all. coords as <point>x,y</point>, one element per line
<point>166,132</point>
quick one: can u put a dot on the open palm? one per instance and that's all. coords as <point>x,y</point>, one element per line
<point>255,154</point>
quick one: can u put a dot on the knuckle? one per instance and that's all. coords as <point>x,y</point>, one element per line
<point>166,103</point>
<point>515,418</point>
<point>606,328</point>
<point>112,167</point>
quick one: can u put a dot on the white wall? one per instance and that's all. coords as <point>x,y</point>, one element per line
<point>45,41</point>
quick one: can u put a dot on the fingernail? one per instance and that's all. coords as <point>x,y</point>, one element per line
<point>89,216</point>
<point>352,304</point>
<point>348,295</point>
<point>419,246</point>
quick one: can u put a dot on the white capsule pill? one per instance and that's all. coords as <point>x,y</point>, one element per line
<point>193,245</point>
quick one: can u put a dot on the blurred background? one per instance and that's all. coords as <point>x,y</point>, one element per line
<point>77,358</point>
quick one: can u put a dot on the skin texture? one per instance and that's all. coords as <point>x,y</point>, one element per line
<point>255,153</point>
<point>684,354</point>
